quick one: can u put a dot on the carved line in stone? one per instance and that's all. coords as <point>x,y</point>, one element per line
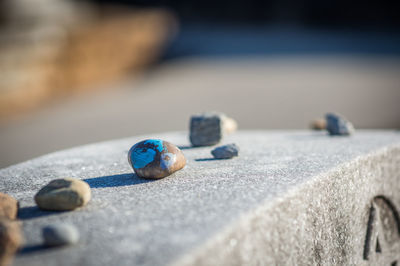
<point>378,248</point>
<point>371,219</point>
<point>393,209</point>
<point>370,225</point>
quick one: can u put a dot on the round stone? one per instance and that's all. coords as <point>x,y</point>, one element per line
<point>318,124</point>
<point>63,195</point>
<point>154,158</point>
<point>60,234</point>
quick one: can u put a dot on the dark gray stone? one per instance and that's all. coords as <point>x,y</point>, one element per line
<point>60,234</point>
<point>226,151</point>
<point>291,198</point>
<point>209,128</point>
<point>206,129</point>
<point>338,125</point>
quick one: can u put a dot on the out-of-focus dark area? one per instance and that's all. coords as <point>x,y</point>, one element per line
<point>75,72</point>
<point>280,27</point>
<point>307,12</point>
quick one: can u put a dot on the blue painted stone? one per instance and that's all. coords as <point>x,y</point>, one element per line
<point>338,125</point>
<point>155,158</point>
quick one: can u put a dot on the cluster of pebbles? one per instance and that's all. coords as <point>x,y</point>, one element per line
<point>152,158</point>
<point>155,158</point>
<point>209,129</point>
<point>64,194</point>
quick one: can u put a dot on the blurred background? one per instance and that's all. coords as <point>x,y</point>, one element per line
<point>77,72</point>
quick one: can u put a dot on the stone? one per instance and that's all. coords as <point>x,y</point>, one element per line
<point>318,124</point>
<point>10,240</point>
<point>8,206</point>
<point>226,151</point>
<point>229,125</point>
<point>208,129</point>
<point>293,198</point>
<point>60,235</point>
<point>63,195</point>
<point>155,158</point>
<point>338,125</point>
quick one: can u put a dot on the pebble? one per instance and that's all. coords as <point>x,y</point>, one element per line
<point>60,235</point>
<point>63,195</point>
<point>318,124</point>
<point>155,158</point>
<point>338,125</point>
<point>8,206</point>
<point>226,151</point>
<point>229,125</point>
<point>208,129</point>
<point>10,240</point>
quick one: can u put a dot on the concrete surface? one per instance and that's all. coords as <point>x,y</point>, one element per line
<point>259,92</point>
<point>290,198</point>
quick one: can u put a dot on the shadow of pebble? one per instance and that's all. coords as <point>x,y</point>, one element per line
<point>207,159</point>
<point>32,249</point>
<point>186,147</point>
<point>31,212</point>
<point>116,180</point>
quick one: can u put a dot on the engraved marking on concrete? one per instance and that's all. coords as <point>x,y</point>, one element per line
<point>383,213</point>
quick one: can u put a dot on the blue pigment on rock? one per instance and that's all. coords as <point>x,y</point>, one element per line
<point>156,142</point>
<point>155,158</point>
<point>140,157</point>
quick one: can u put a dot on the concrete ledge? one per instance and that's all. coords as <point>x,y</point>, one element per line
<point>290,198</point>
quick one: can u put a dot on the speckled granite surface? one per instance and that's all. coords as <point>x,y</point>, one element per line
<point>291,197</point>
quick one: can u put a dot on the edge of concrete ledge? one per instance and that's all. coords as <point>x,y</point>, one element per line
<point>238,239</point>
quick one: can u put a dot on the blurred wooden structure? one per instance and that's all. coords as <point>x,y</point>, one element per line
<point>47,60</point>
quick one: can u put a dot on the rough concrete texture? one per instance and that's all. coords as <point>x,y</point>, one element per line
<point>291,198</point>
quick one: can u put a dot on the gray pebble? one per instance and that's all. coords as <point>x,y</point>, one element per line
<point>226,151</point>
<point>60,234</point>
<point>338,125</point>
